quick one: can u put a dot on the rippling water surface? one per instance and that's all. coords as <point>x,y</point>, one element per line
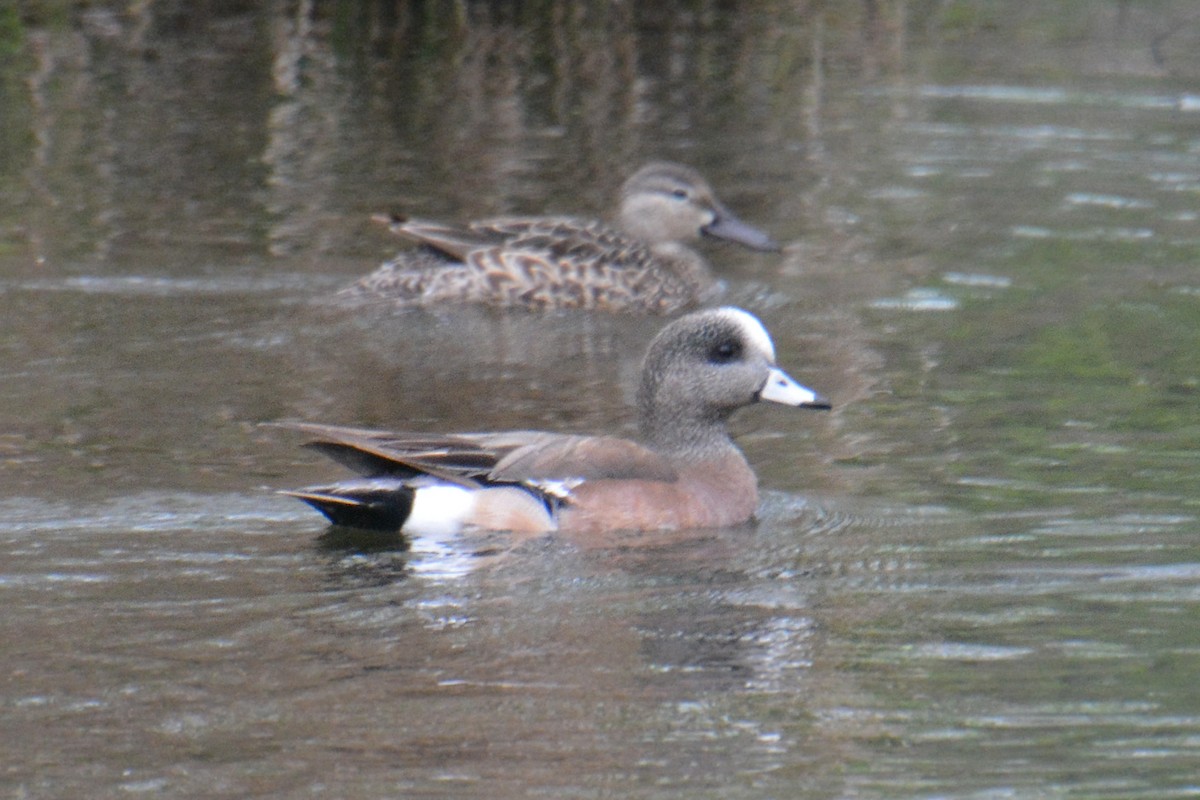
<point>977,577</point>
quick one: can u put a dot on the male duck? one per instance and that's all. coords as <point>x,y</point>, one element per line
<point>685,473</point>
<point>565,262</point>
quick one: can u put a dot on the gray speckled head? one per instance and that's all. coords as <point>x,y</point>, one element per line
<point>704,366</point>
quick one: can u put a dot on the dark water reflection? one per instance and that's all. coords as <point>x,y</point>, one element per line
<point>977,577</point>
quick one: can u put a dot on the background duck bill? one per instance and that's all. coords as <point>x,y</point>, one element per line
<point>731,229</point>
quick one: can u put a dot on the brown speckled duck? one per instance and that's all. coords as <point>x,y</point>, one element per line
<point>684,472</point>
<point>641,264</point>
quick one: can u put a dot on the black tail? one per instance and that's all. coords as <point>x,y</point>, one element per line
<point>377,505</point>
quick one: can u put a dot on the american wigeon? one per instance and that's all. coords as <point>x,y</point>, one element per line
<point>684,473</point>
<point>641,264</point>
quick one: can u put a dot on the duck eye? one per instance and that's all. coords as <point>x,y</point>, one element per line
<point>725,352</point>
<point>679,194</point>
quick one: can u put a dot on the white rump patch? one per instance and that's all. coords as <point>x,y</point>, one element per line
<point>439,510</point>
<point>754,330</point>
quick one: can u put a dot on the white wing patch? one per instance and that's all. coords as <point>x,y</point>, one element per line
<point>560,489</point>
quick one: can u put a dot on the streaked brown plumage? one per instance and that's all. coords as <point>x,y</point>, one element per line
<point>640,263</point>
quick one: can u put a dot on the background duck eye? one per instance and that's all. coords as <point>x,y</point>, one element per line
<point>679,194</point>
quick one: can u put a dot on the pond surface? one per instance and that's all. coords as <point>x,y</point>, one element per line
<point>978,577</point>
